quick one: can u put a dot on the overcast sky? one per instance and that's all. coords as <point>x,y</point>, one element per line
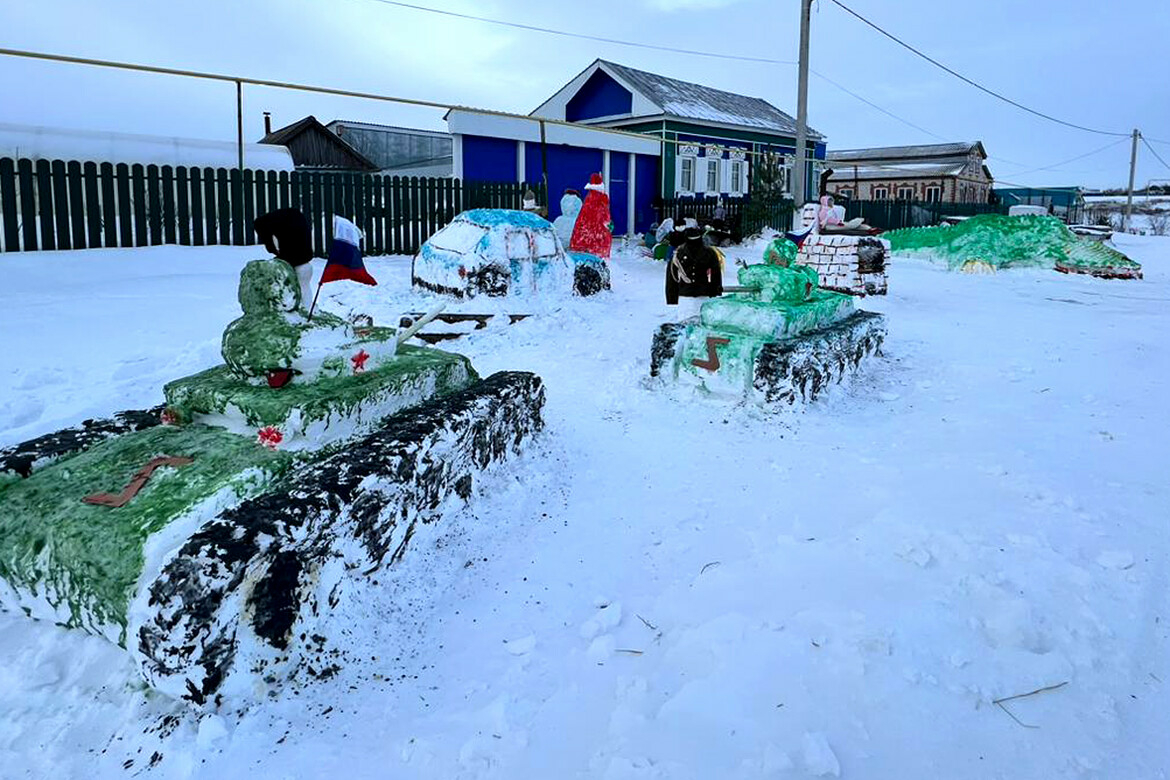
<point>1099,64</point>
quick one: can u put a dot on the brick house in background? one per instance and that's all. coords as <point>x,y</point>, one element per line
<point>952,173</point>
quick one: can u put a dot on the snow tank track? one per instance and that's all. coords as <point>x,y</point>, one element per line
<point>795,369</point>
<point>239,592</point>
<point>23,459</point>
<point>801,368</point>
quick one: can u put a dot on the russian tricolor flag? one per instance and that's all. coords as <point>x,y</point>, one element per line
<point>798,236</point>
<point>345,258</point>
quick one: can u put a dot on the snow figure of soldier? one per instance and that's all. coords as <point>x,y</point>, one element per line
<point>593,231</point>
<point>693,272</point>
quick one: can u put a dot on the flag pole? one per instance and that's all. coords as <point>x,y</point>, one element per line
<point>315,296</point>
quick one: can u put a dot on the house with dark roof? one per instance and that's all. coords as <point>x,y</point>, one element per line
<point>316,148</point>
<point>711,136</point>
<point>951,173</point>
<point>698,141</point>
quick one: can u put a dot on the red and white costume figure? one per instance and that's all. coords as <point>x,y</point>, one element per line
<point>593,231</point>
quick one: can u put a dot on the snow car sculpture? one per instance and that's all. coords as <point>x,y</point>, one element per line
<point>501,252</point>
<point>210,536</point>
<point>784,340</point>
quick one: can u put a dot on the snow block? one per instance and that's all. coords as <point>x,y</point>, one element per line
<point>847,264</point>
<point>21,460</point>
<point>240,591</point>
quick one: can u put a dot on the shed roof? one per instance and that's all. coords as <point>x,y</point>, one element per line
<point>330,151</point>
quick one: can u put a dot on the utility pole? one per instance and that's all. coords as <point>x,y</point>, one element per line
<point>1132,171</point>
<point>798,190</point>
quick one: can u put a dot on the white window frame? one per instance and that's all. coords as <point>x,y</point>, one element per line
<point>682,177</point>
<point>735,177</point>
<point>712,165</point>
<point>936,191</point>
<point>881,193</point>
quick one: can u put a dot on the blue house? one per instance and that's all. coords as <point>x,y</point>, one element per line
<point>700,141</point>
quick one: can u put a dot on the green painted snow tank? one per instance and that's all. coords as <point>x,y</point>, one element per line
<point>787,339</point>
<point>315,444</point>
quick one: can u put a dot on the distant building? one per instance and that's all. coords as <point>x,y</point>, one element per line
<point>59,143</point>
<point>316,148</point>
<point>399,151</point>
<point>1068,203</point>
<point>953,173</point>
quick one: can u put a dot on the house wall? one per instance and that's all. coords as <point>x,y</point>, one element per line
<point>599,96</point>
<point>489,159</point>
<point>955,189</point>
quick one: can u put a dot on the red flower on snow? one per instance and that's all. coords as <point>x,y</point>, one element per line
<point>359,361</point>
<point>270,436</point>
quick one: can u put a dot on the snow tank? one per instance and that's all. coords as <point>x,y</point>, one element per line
<point>207,536</point>
<point>782,338</point>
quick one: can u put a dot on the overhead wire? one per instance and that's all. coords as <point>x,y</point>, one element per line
<point>967,80</point>
<point>1109,145</point>
<point>584,36</point>
<point>1153,152</point>
<point>677,50</point>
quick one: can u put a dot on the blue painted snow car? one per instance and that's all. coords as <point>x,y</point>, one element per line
<point>501,252</point>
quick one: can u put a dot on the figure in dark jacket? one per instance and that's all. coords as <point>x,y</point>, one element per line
<point>286,234</point>
<point>694,270</point>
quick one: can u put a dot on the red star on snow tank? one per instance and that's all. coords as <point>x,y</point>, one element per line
<point>359,361</point>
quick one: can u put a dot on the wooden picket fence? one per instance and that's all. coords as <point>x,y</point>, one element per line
<point>54,204</point>
<point>895,214</point>
<point>744,216</point>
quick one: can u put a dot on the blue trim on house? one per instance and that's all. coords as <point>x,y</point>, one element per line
<point>646,185</point>
<point>569,167</point>
<point>599,96</point>
<point>490,159</point>
<point>619,191</point>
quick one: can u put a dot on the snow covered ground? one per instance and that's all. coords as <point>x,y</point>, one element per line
<point>672,586</point>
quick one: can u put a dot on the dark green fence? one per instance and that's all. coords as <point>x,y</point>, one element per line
<point>53,204</point>
<point>894,214</point>
<point>744,216</point>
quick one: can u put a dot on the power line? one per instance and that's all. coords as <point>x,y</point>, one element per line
<point>961,77</point>
<point>584,36</point>
<point>876,106</point>
<point>1109,145</point>
<point>1154,152</point>
<point>694,52</point>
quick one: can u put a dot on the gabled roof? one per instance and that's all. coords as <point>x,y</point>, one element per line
<point>845,174</point>
<point>921,152</point>
<point>325,150</point>
<point>686,100</point>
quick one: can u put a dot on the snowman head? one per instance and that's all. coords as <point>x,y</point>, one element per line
<point>570,203</point>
